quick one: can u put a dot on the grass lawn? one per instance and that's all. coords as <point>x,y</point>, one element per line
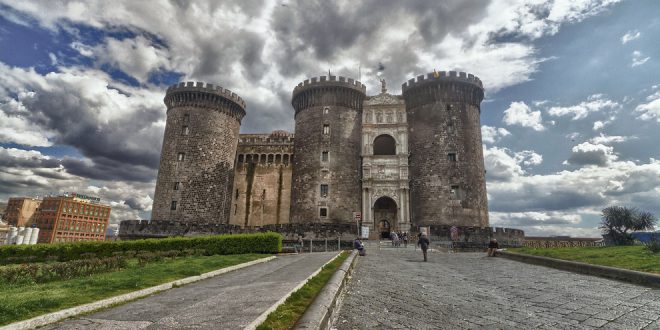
<point>20,302</point>
<point>287,314</point>
<point>628,257</point>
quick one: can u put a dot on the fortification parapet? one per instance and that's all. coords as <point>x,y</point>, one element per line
<point>313,92</point>
<point>441,76</point>
<point>206,95</point>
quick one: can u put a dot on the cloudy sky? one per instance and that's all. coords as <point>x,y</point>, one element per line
<point>570,120</point>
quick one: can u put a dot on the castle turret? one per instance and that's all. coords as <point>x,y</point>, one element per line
<point>447,177</point>
<point>326,166</point>
<point>197,160</point>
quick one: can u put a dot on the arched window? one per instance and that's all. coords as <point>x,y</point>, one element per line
<point>384,145</point>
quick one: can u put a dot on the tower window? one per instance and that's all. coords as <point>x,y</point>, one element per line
<point>324,156</point>
<point>184,130</point>
<point>451,157</point>
<point>455,192</point>
<point>181,156</point>
<point>323,212</point>
<point>173,206</point>
<point>449,107</point>
<point>176,185</point>
<point>324,190</point>
<point>186,118</point>
<point>326,129</point>
<point>236,193</point>
<point>326,110</point>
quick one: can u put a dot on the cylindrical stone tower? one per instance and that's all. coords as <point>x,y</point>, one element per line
<point>447,177</point>
<point>197,160</point>
<point>326,166</point>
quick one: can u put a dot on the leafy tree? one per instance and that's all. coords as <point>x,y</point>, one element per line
<point>617,221</point>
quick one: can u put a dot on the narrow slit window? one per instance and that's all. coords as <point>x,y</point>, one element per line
<point>324,156</point>
<point>185,130</point>
<point>326,129</point>
<point>451,156</point>
<point>173,206</point>
<point>181,156</point>
<point>176,185</point>
<point>324,190</point>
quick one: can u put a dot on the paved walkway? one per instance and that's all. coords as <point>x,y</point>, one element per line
<point>393,288</point>
<point>228,301</point>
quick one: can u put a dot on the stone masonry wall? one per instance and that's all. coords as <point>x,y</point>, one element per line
<point>443,118</point>
<point>336,103</point>
<point>262,181</point>
<point>199,147</point>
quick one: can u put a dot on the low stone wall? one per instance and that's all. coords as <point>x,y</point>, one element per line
<point>477,237</point>
<point>137,229</point>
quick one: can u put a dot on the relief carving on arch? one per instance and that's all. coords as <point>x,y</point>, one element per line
<point>390,192</point>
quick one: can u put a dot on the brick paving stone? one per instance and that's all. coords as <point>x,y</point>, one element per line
<point>395,289</point>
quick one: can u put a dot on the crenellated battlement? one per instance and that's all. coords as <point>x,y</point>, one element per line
<point>325,81</point>
<point>198,94</point>
<point>442,76</point>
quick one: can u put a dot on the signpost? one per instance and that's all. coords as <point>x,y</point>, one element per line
<point>357,216</point>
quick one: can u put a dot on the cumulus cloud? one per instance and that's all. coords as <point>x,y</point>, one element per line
<point>651,109</point>
<point>598,124</point>
<point>503,164</point>
<point>630,36</point>
<point>519,113</point>
<point>608,139</point>
<point>638,59</point>
<point>491,134</point>
<point>594,103</point>
<point>588,153</point>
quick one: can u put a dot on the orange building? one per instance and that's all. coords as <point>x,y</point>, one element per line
<point>21,211</point>
<point>72,217</point>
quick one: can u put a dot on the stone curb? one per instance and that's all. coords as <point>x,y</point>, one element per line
<point>74,311</point>
<point>625,275</point>
<point>254,324</point>
<point>319,313</point>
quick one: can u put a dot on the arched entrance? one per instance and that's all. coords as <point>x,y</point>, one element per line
<point>385,214</point>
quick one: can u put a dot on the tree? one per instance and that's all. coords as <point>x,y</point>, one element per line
<point>617,221</point>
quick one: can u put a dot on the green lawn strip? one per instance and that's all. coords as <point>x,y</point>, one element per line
<point>20,302</point>
<point>627,257</point>
<point>287,314</point>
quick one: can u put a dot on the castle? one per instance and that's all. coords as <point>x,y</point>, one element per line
<point>391,162</point>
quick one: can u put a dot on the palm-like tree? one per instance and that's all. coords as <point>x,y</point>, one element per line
<point>617,221</point>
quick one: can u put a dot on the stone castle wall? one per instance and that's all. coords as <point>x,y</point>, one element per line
<point>328,116</point>
<point>197,158</point>
<point>447,174</point>
<point>262,181</point>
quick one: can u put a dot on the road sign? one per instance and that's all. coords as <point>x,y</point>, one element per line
<point>357,216</point>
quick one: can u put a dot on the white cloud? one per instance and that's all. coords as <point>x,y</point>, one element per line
<point>16,126</point>
<point>651,109</point>
<point>638,59</point>
<point>528,158</point>
<point>608,139</point>
<point>598,125</point>
<point>630,36</point>
<point>594,103</point>
<point>588,153</point>
<point>519,113</point>
<point>137,57</point>
<point>503,164</point>
<point>491,134</point>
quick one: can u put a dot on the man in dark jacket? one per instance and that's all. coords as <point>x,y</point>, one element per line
<point>424,243</point>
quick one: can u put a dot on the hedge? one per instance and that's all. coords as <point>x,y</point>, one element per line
<point>219,244</point>
<point>46,272</point>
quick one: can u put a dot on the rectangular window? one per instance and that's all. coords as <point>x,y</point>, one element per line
<point>186,118</point>
<point>449,107</point>
<point>184,130</point>
<point>324,156</point>
<point>176,185</point>
<point>173,207</point>
<point>181,156</point>
<point>326,129</point>
<point>325,110</point>
<point>451,157</point>
<point>323,212</point>
<point>324,190</point>
<point>455,192</point>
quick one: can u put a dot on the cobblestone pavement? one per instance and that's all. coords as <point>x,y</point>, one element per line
<point>228,301</point>
<point>394,289</point>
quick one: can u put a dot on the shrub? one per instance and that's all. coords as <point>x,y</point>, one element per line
<point>653,245</point>
<point>208,245</point>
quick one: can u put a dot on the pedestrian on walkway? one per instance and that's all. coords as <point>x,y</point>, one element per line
<point>405,239</point>
<point>492,247</point>
<point>298,245</point>
<point>424,244</point>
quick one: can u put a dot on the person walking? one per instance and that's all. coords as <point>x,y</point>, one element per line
<point>298,245</point>
<point>424,244</point>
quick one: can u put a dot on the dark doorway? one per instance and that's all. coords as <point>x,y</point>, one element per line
<point>385,210</point>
